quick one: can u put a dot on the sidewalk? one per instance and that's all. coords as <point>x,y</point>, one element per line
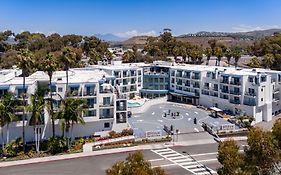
<point>268,125</point>
<point>104,152</point>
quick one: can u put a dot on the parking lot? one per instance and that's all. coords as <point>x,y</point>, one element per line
<point>181,116</point>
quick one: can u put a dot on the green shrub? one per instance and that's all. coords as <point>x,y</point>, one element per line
<point>13,148</point>
<point>127,132</point>
<point>78,144</point>
<point>56,145</point>
<point>113,134</point>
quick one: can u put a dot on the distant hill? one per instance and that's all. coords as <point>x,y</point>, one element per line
<point>110,37</point>
<point>251,35</point>
<point>202,38</point>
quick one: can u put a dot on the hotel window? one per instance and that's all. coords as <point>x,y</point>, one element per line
<point>106,125</point>
<point>59,89</point>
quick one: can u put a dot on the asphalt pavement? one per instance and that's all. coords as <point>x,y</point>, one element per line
<point>96,165</point>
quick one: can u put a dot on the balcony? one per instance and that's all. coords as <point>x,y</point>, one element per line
<point>106,117</point>
<point>249,103</point>
<point>107,104</point>
<point>251,94</point>
<point>236,83</point>
<point>196,86</point>
<point>187,84</point>
<point>235,92</point>
<point>224,90</point>
<point>224,81</point>
<point>234,101</point>
<point>206,87</point>
<point>90,93</point>
<point>195,77</point>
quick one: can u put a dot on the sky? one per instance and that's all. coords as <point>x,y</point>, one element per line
<point>126,18</point>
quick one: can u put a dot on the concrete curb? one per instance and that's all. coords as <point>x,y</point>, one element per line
<point>104,152</point>
<point>80,155</point>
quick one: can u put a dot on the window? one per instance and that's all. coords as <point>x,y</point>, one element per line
<point>262,89</point>
<point>251,79</point>
<point>106,125</point>
<point>59,79</point>
<point>59,89</point>
<point>106,101</point>
<point>261,99</point>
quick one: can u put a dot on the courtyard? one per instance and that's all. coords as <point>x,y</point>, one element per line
<point>183,118</point>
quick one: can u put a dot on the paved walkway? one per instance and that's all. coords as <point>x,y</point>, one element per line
<point>268,125</point>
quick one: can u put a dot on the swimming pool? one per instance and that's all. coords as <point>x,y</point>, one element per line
<point>133,104</point>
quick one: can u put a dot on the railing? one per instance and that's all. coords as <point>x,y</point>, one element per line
<point>224,90</point>
<point>248,103</point>
<point>235,92</point>
<point>224,81</point>
<point>89,93</point>
<point>235,101</point>
<point>235,83</point>
<point>106,117</point>
<point>252,94</point>
<point>196,77</point>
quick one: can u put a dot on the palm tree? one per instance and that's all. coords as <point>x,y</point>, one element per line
<point>25,63</point>
<point>208,53</point>
<point>7,105</point>
<point>67,60</point>
<point>236,53</point>
<point>50,66</point>
<point>228,55</point>
<point>36,108</point>
<point>219,55</point>
<point>71,112</point>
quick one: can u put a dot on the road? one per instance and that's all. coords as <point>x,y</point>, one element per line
<point>96,165</point>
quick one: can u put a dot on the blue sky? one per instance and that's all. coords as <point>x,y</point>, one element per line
<point>132,17</point>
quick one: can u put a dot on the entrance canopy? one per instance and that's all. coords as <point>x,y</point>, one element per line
<point>215,109</point>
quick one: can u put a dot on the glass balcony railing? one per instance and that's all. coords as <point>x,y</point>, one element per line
<point>251,94</point>
<point>235,92</point>
<point>249,103</point>
<point>234,101</point>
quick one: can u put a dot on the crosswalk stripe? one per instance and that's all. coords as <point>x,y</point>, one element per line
<point>186,162</point>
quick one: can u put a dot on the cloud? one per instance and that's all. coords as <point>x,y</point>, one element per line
<point>246,28</point>
<point>132,33</point>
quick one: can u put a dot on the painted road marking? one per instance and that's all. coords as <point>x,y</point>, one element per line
<point>153,113</point>
<point>189,119</point>
<point>187,114</point>
<point>160,121</point>
<point>154,160</point>
<point>196,112</point>
<point>139,120</point>
<point>186,161</point>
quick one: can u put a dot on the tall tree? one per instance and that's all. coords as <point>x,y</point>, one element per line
<point>50,66</point>
<point>213,45</point>
<point>70,113</point>
<point>25,63</point>
<point>135,164</point>
<point>228,55</point>
<point>268,60</point>
<point>219,55</point>
<point>208,53</point>
<point>231,159</point>
<point>67,59</point>
<point>236,53</point>
<point>7,104</point>
<point>36,108</point>
<point>262,153</point>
